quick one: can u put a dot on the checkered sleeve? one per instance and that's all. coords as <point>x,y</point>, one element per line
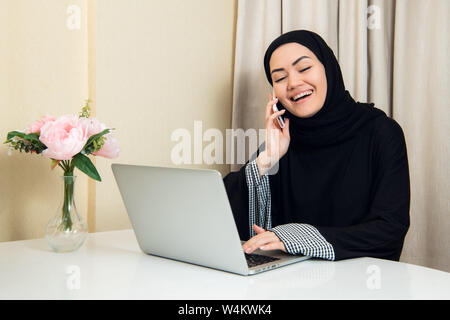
<point>297,238</point>
<point>259,198</point>
<point>300,238</point>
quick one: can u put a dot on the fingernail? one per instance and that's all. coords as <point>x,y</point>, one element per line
<point>261,248</point>
<point>247,250</point>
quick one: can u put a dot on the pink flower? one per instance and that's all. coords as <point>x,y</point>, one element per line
<point>64,137</point>
<point>110,149</point>
<point>94,125</point>
<point>36,126</point>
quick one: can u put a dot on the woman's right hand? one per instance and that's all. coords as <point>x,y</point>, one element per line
<point>277,139</point>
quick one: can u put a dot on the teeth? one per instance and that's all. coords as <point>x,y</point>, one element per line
<point>306,93</point>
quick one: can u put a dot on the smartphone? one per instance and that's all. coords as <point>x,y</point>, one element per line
<point>275,109</point>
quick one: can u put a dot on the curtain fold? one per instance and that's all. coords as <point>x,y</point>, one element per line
<point>353,50</point>
<point>392,53</point>
<point>258,23</point>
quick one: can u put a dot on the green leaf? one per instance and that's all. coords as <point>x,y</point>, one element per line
<point>85,165</point>
<point>13,134</point>
<point>32,137</point>
<point>98,135</point>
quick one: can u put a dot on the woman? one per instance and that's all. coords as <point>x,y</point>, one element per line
<point>342,185</point>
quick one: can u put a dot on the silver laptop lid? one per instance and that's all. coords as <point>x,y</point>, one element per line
<point>182,214</point>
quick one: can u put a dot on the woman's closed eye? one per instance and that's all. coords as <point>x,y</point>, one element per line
<point>305,69</point>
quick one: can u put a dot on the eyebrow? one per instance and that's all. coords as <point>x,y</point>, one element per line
<point>294,63</point>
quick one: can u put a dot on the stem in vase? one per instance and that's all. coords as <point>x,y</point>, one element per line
<point>69,182</point>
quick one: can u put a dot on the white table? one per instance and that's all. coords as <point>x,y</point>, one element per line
<point>110,265</point>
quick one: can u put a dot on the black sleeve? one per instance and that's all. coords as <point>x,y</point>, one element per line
<point>237,191</point>
<point>383,233</point>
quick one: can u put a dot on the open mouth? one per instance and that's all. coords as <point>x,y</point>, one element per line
<point>302,96</point>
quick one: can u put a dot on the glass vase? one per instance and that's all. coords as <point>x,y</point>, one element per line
<point>66,231</point>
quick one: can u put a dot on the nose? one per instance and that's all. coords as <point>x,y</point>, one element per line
<point>294,80</point>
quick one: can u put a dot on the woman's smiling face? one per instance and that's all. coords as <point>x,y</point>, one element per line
<point>297,72</point>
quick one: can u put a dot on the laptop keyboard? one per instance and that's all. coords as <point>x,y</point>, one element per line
<point>257,259</point>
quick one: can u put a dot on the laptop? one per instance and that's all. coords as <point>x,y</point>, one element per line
<point>184,214</point>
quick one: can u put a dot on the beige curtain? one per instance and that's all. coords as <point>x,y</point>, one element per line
<point>393,53</point>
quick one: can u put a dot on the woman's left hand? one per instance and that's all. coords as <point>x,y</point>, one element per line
<point>264,240</point>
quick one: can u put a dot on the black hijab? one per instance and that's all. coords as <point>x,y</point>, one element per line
<point>345,171</point>
<point>340,116</point>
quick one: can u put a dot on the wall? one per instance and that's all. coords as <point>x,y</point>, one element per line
<point>160,65</point>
